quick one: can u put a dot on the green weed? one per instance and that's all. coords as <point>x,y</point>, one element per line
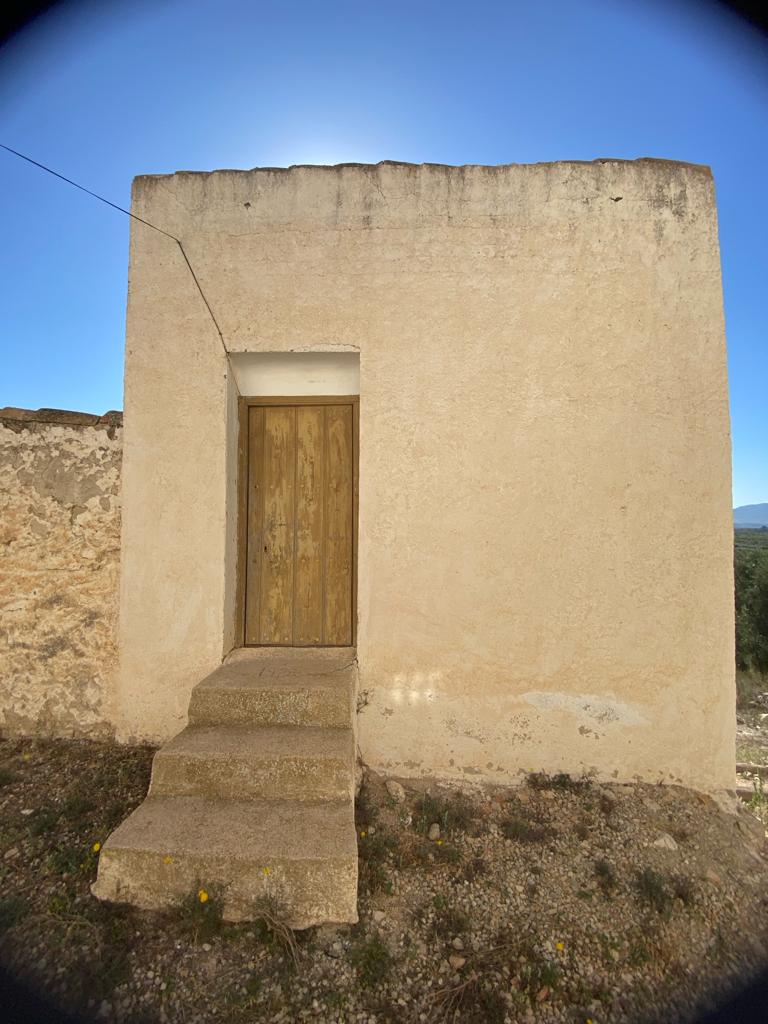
<point>449,921</point>
<point>373,879</point>
<point>609,945</point>
<point>524,831</point>
<point>198,915</point>
<point>560,781</point>
<point>375,851</point>
<point>582,829</point>
<point>372,961</point>
<point>519,953</point>
<point>475,868</point>
<point>246,999</point>
<point>44,822</point>
<point>758,804</point>
<point>366,811</point>
<point>12,910</point>
<point>606,876</point>
<point>453,813</point>
<point>68,860</point>
<point>652,889</point>
<point>413,851</point>
<point>639,954</point>
<point>534,976</point>
<point>752,753</point>
<point>333,999</point>
<point>472,1001</point>
<point>96,977</point>
<point>445,853</point>
<point>77,805</point>
<point>748,686</point>
<point>684,889</point>
<point>376,847</point>
<point>60,903</point>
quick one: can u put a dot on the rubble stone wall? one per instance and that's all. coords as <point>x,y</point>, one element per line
<point>59,567</point>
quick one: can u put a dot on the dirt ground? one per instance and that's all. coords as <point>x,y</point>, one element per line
<point>558,901</point>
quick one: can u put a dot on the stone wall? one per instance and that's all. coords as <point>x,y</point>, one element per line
<point>59,565</point>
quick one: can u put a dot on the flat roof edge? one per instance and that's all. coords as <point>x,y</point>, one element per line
<point>703,168</point>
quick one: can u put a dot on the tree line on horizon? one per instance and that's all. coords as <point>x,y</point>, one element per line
<point>750,565</point>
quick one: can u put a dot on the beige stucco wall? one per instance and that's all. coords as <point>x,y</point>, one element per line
<point>59,563</point>
<point>545,574</point>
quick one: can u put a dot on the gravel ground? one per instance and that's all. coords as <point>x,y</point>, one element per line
<point>752,752</point>
<point>558,901</point>
<point>752,731</point>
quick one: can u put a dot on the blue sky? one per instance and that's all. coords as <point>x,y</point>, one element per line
<point>104,91</point>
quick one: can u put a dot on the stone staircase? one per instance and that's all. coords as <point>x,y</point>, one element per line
<point>255,797</point>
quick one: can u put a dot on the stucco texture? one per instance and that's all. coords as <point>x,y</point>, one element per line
<point>59,564</point>
<point>544,571</point>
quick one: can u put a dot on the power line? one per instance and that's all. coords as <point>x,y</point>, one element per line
<point>133,216</point>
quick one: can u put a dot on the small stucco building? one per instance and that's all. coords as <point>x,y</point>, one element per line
<point>458,433</point>
<point>544,530</point>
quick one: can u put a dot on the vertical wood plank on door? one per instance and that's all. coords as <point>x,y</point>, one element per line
<point>255,510</point>
<point>338,529</point>
<point>277,556</point>
<point>310,487</point>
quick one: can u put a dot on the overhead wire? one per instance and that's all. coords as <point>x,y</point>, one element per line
<point>133,216</point>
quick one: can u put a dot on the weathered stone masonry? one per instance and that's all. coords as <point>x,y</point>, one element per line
<point>59,566</point>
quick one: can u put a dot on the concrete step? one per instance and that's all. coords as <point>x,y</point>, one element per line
<point>302,856</point>
<point>240,763</point>
<point>278,686</point>
<point>255,797</point>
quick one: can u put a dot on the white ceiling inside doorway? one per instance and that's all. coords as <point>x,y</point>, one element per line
<point>263,374</point>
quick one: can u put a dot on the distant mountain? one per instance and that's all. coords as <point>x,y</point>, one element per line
<point>750,516</point>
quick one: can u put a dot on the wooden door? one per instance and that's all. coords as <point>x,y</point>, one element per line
<point>300,522</point>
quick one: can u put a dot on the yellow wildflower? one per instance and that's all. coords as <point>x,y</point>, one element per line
<point>266,871</point>
<point>96,847</point>
<point>362,835</point>
<point>168,859</point>
<point>560,946</point>
<point>203,896</point>
<point>438,842</point>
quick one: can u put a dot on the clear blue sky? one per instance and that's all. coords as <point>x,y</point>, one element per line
<point>104,91</point>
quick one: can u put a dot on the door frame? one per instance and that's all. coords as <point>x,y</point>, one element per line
<point>244,405</point>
